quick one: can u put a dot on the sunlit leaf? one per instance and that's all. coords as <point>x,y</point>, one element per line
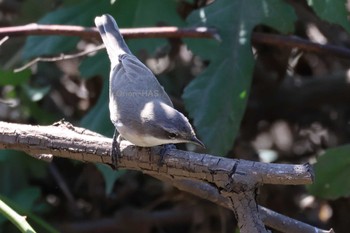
<point>216,99</point>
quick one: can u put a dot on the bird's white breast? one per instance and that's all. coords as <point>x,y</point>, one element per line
<point>143,140</point>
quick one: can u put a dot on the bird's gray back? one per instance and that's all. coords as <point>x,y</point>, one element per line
<point>132,86</point>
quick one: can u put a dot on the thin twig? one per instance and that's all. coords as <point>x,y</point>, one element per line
<point>59,58</point>
<point>297,42</point>
<point>4,39</point>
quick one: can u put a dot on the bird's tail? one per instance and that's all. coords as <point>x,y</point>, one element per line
<point>111,37</point>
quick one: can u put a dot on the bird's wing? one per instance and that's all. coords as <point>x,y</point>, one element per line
<point>138,79</point>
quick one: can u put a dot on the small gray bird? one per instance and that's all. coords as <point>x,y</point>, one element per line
<point>139,108</point>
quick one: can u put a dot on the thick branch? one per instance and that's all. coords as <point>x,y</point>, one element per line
<point>67,143</point>
<point>246,212</point>
<point>182,169</point>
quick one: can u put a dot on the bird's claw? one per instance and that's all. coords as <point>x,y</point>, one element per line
<point>115,150</point>
<point>163,152</point>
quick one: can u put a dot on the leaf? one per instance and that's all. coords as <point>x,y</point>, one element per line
<point>81,14</point>
<point>33,109</point>
<point>110,176</point>
<point>332,174</point>
<point>98,117</point>
<point>35,93</point>
<point>332,11</point>
<point>12,78</point>
<point>95,65</point>
<point>22,193</point>
<point>151,13</point>
<point>26,197</point>
<point>216,99</point>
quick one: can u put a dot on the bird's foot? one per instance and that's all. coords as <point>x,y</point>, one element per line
<point>163,152</point>
<point>116,153</point>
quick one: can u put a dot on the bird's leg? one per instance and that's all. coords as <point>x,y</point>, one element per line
<point>163,151</point>
<point>115,150</point>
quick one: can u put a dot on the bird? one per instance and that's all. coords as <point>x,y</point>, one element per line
<point>140,109</point>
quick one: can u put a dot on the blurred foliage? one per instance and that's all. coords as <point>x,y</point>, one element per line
<point>332,174</point>
<point>334,12</point>
<point>11,78</point>
<point>244,102</point>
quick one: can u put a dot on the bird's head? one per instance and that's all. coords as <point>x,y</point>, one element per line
<point>171,125</point>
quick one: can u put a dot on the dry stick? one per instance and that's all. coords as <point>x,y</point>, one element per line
<point>86,32</point>
<point>297,42</point>
<point>59,58</point>
<point>3,40</point>
<point>67,141</point>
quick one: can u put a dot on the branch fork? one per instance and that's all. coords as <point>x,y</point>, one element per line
<point>228,182</point>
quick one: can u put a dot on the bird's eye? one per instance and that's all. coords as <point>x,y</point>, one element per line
<point>172,135</point>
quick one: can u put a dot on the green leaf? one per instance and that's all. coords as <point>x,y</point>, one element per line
<point>81,14</point>
<point>332,174</point>
<point>95,65</point>
<point>151,13</point>
<point>216,99</point>
<point>12,78</point>
<point>110,176</point>
<point>23,165</point>
<point>35,93</point>
<point>98,117</point>
<point>332,11</point>
<point>26,197</point>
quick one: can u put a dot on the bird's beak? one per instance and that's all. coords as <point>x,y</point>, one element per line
<point>196,141</point>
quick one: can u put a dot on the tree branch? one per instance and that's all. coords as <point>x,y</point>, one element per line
<point>210,176</point>
<point>74,144</point>
<point>89,32</point>
<point>175,32</point>
<point>302,44</point>
<point>270,218</point>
